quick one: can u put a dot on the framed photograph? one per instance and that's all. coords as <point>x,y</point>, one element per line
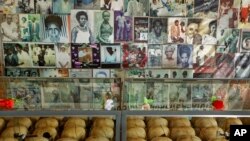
<point>82,24</point>
<point>85,55</point>
<point>245,41</point>
<point>206,8</point>
<point>9,27</point>
<point>17,55</point>
<point>158,31</point>
<point>87,4</point>
<point>101,73</point>
<point>56,28</point>
<point>27,94</point>
<point>230,39</point>
<point>21,72</point>
<point>157,73</point>
<point>177,30</point>
<point>135,73</point>
<point>180,73</point>
<point>30,27</point>
<point>169,57</point>
<point>134,8</point>
<point>43,7</point>
<point>63,56</point>
<point>43,54</point>
<point>201,96</point>
<point>80,73</point>
<point>154,56</point>
<point>184,56</point>
<point>242,67</point>
<point>111,56</point>
<point>62,6</point>
<point>141,29</point>
<point>104,26</point>
<point>25,6</point>
<point>123,27</point>
<point>224,66</point>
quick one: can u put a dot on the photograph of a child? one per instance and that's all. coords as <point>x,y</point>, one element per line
<point>63,58</point>
<point>184,56</point>
<point>111,56</point>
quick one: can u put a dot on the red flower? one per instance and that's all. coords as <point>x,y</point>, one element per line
<point>6,103</point>
<point>218,105</point>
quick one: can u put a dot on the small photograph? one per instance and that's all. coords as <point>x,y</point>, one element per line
<point>169,8</point>
<point>9,27</point>
<point>43,6</point>
<point>169,57</point>
<point>180,73</point>
<point>54,72</point>
<point>244,20</point>
<point>62,6</point>
<point>56,28</point>
<point>123,27</point>
<point>206,8</point>
<point>135,73</point>
<point>230,39</point>
<point>228,15</point>
<point>80,73</point>
<point>57,96</point>
<point>157,73</point>
<point>244,95</point>
<point>141,29</point>
<point>201,31</point>
<point>104,26</point>
<point>224,66</point>
<point>17,55</point>
<point>105,4</point>
<point>85,56</point>
<point>134,8</point>
<point>154,56</point>
<point>87,4</point>
<point>63,56</point>
<point>8,6</point>
<point>201,96</point>
<point>220,93</point>
<point>242,67</point>
<point>117,73</point>
<point>177,28</point>
<point>25,6</point>
<point>21,72</point>
<point>101,73</point>
<point>245,41</point>
<point>134,55</point>
<point>43,55</point>
<point>111,56</point>
<point>184,56</point>
<point>203,55</point>
<point>180,97</point>
<point>82,25</point>
<point>158,31</point>
<point>117,5</point>
<point>26,93</point>
<point>30,26</point>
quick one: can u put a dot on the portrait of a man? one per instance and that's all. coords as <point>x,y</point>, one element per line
<point>158,31</point>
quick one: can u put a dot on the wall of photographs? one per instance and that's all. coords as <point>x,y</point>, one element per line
<point>125,39</point>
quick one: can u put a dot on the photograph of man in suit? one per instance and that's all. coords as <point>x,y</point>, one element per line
<point>34,29</point>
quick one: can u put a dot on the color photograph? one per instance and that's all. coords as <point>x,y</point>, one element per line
<point>177,30</point>
<point>201,96</point>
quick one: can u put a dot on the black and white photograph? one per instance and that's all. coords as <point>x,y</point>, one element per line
<point>63,56</point>
<point>141,29</point>
<point>43,6</point>
<point>157,73</point>
<point>25,6</point>
<point>82,25</point>
<point>180,73</point>
<point>9,27</point>
<point>224,65</point>
<point>17,55</point>
<point>201,96</point>
<point>87,4</point>
<point>136,7</point>
<point>8,6</point>
<point>135,73</point>
<point>21,72</point>
<point>101,73</point>
<point>184,56</point>
<point>158,31</point>
<point>56,28</point>
<point>104,26</point>
<point>206,8</point>
<point>111,56</point>
<point>154,56</point>
<point>242,65</point>
<point>80,73</point>
<point>230,39</point>
<point>203,55</point>
<point>43,55</point>
<point>245,41</point>
<point>62,6</point>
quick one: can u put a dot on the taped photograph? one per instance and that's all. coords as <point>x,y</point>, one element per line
<point>9,27</point>
<point>134,8</point>
<point>80,73</point>
<point>56,28</point>
<point>43,55</point>
<point>82,25</point>
<point>62,6</point>
<point>224,66</point>
<point>85,56</point>
<point>123,27</point>
<point>230,38</point>
<point>245,41</point>
<point>154,56</point>
<point>141,29</point>
<point>157,73</point>
<point>21,72</point>
<point>104,26</point>
<point>206,8</point>
<point>17,55</point>
<point>43,6</point>
<point>201,96</point>
<point>169,57</point>
<point>184,56</point>
<point>177,30</point>
<point>87,4</point>
<point>158,31</point>
<point>111,56</point>
<point>242,65</point>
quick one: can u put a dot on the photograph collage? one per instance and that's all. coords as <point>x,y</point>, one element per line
<point>122,40</point>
